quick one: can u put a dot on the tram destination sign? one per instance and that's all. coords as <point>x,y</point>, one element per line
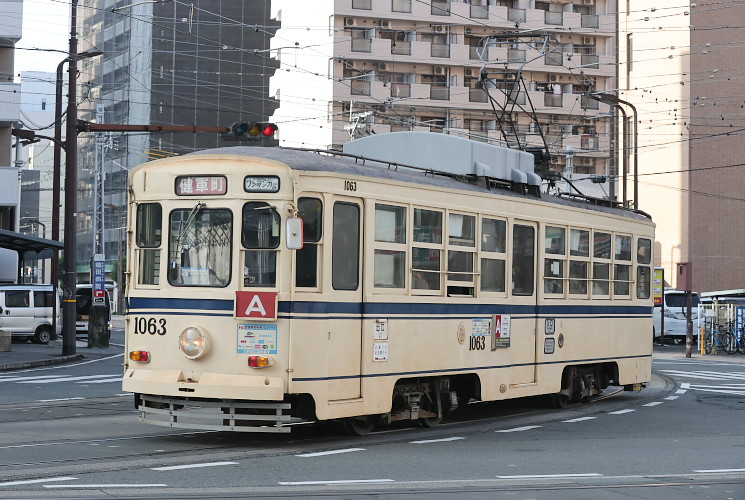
<point>201,185</point>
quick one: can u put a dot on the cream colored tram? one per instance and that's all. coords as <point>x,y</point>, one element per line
<point>269,286</point>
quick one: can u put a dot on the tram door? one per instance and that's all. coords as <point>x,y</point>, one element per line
<point>523,325</point>
<point>345,322</point>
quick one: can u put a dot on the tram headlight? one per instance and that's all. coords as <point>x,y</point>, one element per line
<point>194,342</point>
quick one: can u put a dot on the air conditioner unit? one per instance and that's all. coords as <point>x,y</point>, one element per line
<point>385,24</point>
<point>438,70</point>
<point>471,72</point>
<point>553,118</point>
<point>588,40</point>
<point>588,161</point>
<point>469,31</point>
<point>438,28</point>
<point>588,2</point>
<point>382,66</point>
<point>552,78</point>
<point>350,21</point>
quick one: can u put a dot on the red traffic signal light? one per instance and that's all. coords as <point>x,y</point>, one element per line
<point>253,130</point>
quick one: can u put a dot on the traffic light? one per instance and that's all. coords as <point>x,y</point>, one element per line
<point>253,130</point>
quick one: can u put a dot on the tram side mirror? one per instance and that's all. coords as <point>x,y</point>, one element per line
<point>294,233</point>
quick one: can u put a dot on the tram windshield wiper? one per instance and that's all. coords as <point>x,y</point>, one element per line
<point>182,232</point>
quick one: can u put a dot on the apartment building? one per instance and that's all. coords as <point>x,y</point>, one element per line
<point>10,103</point>
<point>355,67</point>
<point>681,66</point>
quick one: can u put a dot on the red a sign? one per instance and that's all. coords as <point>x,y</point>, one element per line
<point>256,305</point>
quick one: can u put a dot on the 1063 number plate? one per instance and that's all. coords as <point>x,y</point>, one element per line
<point>153,326</point>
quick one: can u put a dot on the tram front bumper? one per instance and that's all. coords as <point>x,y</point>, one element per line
<point>208,385</point>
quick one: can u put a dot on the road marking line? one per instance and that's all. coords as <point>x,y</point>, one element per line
<point>720,470</point>
<point>685,386</point>
<point>332,452</point>
<point>426,441</point>
<point>655,403</point>
<point>620,412</point>
<point>54,400</point>
<point>548,476</point>
<point>347,481</point>
<point>65,379</point>
<point>15,379</point>
<point>36,481</point>
<point>192,466</point>
<point>520,429</point>
<point>104,381</point>
<point>672,398</point>
<point>102,486</point>
<point>580,419</point>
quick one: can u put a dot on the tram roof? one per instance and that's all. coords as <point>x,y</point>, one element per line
<point>314,160</point>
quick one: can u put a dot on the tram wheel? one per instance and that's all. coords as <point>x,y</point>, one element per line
<point>559,400</point>
<point>359,426</point>
<point>430,422</point>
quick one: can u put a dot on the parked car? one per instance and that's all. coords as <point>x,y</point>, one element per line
<point>27,311</point>
<point>676,319</point>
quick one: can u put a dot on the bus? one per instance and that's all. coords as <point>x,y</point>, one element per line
<point>272,286</point>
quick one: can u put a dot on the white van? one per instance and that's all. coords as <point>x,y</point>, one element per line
<point>675,315</point>
<point>26,311</point>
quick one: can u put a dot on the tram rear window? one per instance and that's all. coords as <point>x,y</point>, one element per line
<point>199,246</point>
<point>260,234</point>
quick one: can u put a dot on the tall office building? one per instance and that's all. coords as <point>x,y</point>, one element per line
<point>681,68</point>
<point>354,67</point>
<point>10,102</point>
<point>164,63</point>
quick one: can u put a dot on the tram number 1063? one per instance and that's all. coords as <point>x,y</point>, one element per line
<point>152,326</point>
<point>478,343</point>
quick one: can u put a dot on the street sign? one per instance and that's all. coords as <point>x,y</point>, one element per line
<point>658,284</point>
<point>99,279</point>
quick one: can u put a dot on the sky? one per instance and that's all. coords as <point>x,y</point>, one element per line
<point>46,25</point>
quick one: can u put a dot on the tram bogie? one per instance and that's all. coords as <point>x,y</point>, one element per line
<point>263,291</point>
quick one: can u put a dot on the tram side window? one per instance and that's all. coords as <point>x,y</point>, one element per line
<point>345,248</point>
<point>148,234</point>
<point>553,269</point>
<point>601,249</point>
<point>390,251</point>
<point>260,235</point>
<point>306,258</point>
<point>200,246</point>
<point>643,273</point>
<point>461,234</point>
<point>523,260</point>
<point>426,254</point>
<point>493,255</point>
<point>579,252</point>
<point>621,269</point>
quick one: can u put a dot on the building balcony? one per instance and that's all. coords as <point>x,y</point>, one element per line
<point>440,8</point>
<point>440,50</point>
<point>12,10</point>
<point>362,4</point>
<point>10,104</point>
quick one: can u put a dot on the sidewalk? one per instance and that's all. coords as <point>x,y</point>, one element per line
<point>24,355</point>
<point>678,351</point>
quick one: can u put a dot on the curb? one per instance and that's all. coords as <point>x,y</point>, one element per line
<point>46,362</point>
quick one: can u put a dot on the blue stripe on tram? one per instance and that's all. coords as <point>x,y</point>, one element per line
<point>394,309</point>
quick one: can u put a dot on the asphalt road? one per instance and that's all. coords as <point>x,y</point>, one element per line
<point>679,438</point>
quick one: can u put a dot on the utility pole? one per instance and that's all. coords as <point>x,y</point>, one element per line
<point>69,312</point>
<point>98,317</point>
